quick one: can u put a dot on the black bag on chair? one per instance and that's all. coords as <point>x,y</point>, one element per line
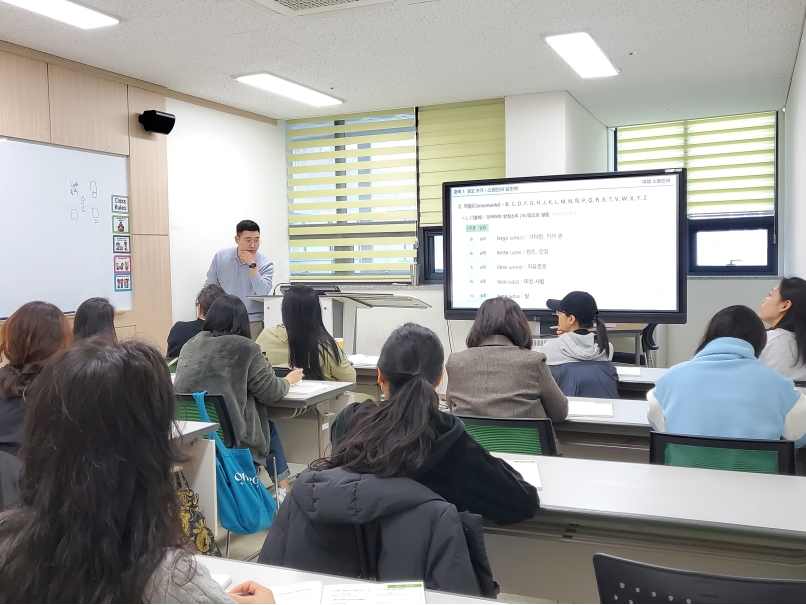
<point>194,523</point>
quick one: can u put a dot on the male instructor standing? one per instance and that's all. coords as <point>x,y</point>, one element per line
<point>242,271</point>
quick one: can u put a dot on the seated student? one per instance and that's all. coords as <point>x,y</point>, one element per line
<point>99,517</point>
<point>223,360</point>
<point>28,339</point>
<point>784,310</point>
<point>94,316</point>
<point>499,375</point>
<point>302,341</point>
<point>578,358</point>
<point>723,391</point>
<point>409,433</point>
<point>182,331</point>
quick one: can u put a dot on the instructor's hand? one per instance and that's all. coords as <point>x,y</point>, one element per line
<point>294,376</point>
<point>246,257</point>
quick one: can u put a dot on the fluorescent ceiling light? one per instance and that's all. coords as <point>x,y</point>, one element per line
<point>288,89</point>
<point>581,52</point>
<point>67,12</point>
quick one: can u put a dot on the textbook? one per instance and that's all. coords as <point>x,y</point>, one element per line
<point>527,468</point>
<point>589,409</point>
<point>349,594</point>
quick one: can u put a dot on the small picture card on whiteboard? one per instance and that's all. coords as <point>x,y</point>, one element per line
<point>123,283</point>
<point>121,243</point>
<point>120,204</point>
<point>123,264</point>
<point>120,224</point>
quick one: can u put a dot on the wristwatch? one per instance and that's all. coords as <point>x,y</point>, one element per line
<point>253,266</point>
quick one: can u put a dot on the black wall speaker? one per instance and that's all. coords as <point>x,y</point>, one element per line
<point>157,121</point>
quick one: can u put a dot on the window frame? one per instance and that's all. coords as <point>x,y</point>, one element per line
<point>737,223</point>
<point>425,255</point>
<point>742,223</point>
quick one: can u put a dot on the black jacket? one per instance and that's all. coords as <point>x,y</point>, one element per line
<point>361,526</point>
<point>9,476</point>
<point>180,333</point>
<point>463,472</point>
<point>12,420</point>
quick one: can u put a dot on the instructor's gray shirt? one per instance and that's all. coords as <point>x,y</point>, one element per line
<point>230,273</point>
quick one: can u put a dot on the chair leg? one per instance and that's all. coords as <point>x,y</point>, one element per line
<point>276,483</point>
<point>650,362</point>
<point>226,548</point>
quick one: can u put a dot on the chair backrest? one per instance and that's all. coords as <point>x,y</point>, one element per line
<point>187,410</point>
<point>528,436</point>
<point>775,457</point>
<point>623,581</point>
<point>172,365</point>
<point>648,338</point>
<point>587,379</point>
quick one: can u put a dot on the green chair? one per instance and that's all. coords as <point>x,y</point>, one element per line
<point>172,365</point>
<point>775,457</point>
<point>528,436</point>
<point>187,410</point>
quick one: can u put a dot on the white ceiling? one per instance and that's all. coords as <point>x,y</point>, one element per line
<point>693,58</point>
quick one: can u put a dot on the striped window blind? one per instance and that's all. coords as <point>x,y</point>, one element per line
<point>459,141</point>
<point>730,161</point>
<point>352,193</point>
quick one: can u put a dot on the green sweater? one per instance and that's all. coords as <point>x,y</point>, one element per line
<point>274,343</point>
<point>233,366</point>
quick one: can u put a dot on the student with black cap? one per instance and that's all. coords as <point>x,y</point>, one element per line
<point>579,358</point>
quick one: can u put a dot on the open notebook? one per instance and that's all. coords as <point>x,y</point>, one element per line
<point>317,592</point>
<point>527,468</point>
<point>581,408</point>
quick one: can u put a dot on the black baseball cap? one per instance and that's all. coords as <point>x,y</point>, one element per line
<point>579,304</point>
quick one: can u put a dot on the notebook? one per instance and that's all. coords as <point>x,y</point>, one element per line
<point>628,371</point>
<point>589,409</point>
<point>527,468</point>
<point>338,594</point>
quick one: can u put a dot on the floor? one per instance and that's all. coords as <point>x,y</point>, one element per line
<point>243,548</point>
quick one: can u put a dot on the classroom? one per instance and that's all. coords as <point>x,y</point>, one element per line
<point>411,301</point>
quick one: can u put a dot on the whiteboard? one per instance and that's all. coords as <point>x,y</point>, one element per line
<point>56,226</point>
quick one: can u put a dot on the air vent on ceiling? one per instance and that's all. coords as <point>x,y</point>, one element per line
<point>293,8</point>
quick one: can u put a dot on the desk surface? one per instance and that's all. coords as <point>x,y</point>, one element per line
<point>269,576</point>
<point>751,502</point>
<point>626,412</point>
<point>648,376</point>
<point>189,430</point>
<point>328,390</point>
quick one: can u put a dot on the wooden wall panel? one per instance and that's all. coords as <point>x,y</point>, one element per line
<point>151,286</point>
<point>125,331</point>
<point>148,167</point>
<point>24,111</point>
<point>88,112</point>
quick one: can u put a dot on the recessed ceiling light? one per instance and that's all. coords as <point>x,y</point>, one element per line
<point>67,12</point>
<point>581,52</point>
<point>288,89</point>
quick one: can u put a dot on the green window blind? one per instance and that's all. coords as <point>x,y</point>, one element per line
<point>352,196</point>
<point>730,160</point>
<point>459,141</point>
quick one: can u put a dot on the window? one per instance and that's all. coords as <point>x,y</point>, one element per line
<point>432,255</point>
<point>731,166</point>
<point>352,192</point>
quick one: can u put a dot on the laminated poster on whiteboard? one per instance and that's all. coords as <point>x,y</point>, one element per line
<point>70,195</point>
<point>120,224</point>
<point>123,263</point>
<point>123,283</point>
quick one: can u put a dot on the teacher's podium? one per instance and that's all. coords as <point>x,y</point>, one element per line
<point>340,310</point>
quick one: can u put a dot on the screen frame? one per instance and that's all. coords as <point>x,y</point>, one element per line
<point>641,239</point>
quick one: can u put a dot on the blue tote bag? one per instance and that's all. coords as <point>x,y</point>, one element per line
<point>244,504</point>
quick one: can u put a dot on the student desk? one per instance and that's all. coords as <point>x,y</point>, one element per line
<point>269,575</point>
<point>200,469</point>
<point>623,438</point>
<point>639,386</point>
<point>303,418</point>
<point>724,522</point>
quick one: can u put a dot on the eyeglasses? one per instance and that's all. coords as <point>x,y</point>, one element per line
<point>250,241</point>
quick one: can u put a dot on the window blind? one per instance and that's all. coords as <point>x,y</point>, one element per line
<point>352,196</point>
<point>730,160</point>
<point>459,141</point>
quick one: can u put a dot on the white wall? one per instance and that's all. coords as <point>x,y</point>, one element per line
<point>535,134</point>
<point>222,169</point>
<point>795,171</point>
<point>585,140</point>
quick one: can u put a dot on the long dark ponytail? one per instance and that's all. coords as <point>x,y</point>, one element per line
<point>394,439</point>
<point>793,289</point>
<point>602,339</point>
<point>307,335</point>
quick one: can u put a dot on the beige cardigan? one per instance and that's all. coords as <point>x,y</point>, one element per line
<point>274,343</point>
<point>500,380</point>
